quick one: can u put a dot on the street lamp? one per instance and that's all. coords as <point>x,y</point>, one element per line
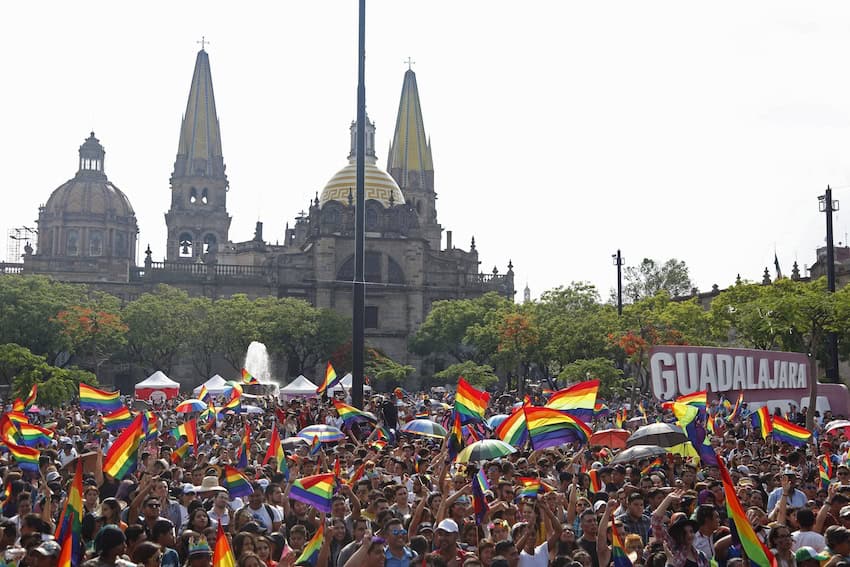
<point>618,261</point>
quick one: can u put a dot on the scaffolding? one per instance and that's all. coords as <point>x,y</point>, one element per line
<point>18,238</point>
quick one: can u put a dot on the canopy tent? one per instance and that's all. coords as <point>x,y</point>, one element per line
<point>157,387</point>
<point>345,384</point>
<point>301,386</point>
<point>216,386</point>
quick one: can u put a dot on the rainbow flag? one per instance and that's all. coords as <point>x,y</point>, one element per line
<point>761,421</point>
<point>350,414</point>
<point>619,419</point>
<point>32,435</point>
<point>316,490</point>
<point>479,502</point>
<point>180,453</point>
<point>513,430</point>
<point>17,417</point>
<point>482,481</point>
<point>248,379</point>
<point>422,413</point>
<point>315,446</point>
<point>276,451</point>
<point>600,409</point>
<point>30,399</point>
<point>655,465</point>
<point>236,483</point>
<point>245,449</point>
<point>18,405</point>
<point>618,553</point>
<point>8,431</point>
<point>310,555</point>
<point>222,554</point>
<point>330,380</point>
<point>123,455</point>
<point>530,486</point>
<point>790,433</point>
<point>151,425</point>
<point>698,399</point>
<point>378,444</point>
<point>358,474</point>
<point>642,411</point>
<point>455,439</point>
<point>235,401</point>
<point>26,457</point>
<point>189,430</point>
<point>733,415</point>
<point>470,403</point>
<point>579,399</point>
<point>550,428</point>
<point>595,481</point>
<point>825,471</point>
<point>118,419</point>
<point>742,530</point>
<point>684,413</point>
<point>69,529</point>
<point>203,393</point>
<point>98,400</point>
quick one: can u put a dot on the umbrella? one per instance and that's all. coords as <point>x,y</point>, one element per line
<point>325,433</point>
<point>638,419</point>
<point>34,409</point>
<point>638,452</point>
<point>613,438</point>
<point>495,421</point>
<point>292,443</point>
<point>424,427</point>
<point>252,409</point>
<point>484,450</point>
<point>837,424</point>
<point>661,434</point>
<point>191,405</point>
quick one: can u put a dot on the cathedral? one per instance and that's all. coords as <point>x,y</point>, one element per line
<point>87,231</point>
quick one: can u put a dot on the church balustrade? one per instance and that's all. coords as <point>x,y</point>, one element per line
<point>11,268</point>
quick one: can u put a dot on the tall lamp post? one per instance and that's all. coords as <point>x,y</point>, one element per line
<point>358,319</point>
<point>618,261</point>
<point>827,206</point>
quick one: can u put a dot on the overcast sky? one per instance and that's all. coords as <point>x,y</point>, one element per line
<point>560,130</point>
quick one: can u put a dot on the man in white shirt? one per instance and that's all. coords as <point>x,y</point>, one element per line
<point>806,534</point>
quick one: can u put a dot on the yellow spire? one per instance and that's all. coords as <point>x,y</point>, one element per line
<point>410,150</point>
<point>199,151</point>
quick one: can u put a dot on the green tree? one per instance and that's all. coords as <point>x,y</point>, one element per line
<point>15,359</point>
<point>611,379</point>
<point>237,320</point>
<point>94,334</point>
<point>55,385</point>
<point>158,327</point>
<point>385,373</point>
<point>481,376</point>
<point>649,277</point>
<point>204,339</point>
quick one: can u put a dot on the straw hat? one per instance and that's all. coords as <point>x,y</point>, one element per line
<point>210,484</point>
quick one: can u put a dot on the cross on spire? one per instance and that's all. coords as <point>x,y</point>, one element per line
<point>203,42</point>
<point>410,63</point>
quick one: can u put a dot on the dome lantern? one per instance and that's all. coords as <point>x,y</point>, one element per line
<point>92,157</point>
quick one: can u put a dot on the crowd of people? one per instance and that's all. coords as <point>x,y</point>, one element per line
<point>413,505</point>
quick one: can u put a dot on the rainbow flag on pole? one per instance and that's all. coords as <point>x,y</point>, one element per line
<point>98,400</point>
<point>697,399</point>
<point>189,430</point>
<point>32,435</point>
<point>350,414</point>
<point>618,552</point>
<point>248,378</point>
<point>123,455</point>
<point>310,555</point>
<point>316,490</point>
<point>26,457</point>
<point>742,530</point>
<point>276,451</point>
<point>330,380</point>
<point>30,400</point>
<point>513,430</point>
<point>222,554</point>
<point>69,529</point>
<point>790,433</point>
<point>579,399</point>
<point>550,428</point>
<point>470,403</point>
<point>118,419</point>
<point>236,483</point>
<point>761,421</point>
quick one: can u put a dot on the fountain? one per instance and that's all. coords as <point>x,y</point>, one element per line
<point>257,362</point>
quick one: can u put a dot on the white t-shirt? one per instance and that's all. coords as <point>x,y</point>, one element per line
<point>812,539</point>
<point>539,559</point>
<point>261,516</point>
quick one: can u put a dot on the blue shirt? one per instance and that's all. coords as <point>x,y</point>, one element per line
<point>403,561</point>
<point>796,500</point>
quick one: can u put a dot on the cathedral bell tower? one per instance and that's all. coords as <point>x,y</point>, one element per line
<point>197,220</point>
<point>410,162</point>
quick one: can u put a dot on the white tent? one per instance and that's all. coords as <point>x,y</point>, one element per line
<point>301,386</point>
<point>345,384</point>
<point>157,382</point>
<point>216,386</point>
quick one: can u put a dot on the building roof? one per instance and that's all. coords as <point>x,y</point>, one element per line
<point>410,149</point>
<point>379,185</point>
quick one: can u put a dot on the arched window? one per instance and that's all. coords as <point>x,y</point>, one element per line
<point>95,243</point>
<point>372,268</point>
<point>186,245</point>
<point>72,243</point>
<point>209,243</point>
<point>371,219</point>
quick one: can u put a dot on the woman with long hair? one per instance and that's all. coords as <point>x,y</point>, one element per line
<point>110,509</point>
<point>679,536</point>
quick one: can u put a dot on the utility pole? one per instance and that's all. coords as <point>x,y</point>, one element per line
<point>828,206</point>
<point>618,261</point>
<point>358,319</point>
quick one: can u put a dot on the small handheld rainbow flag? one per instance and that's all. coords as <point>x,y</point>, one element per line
<point>315,446</point>
<point>69,529</point>
<point>222,554</point>
<point>595,481</point>
<point>203,393</point>
<point>470,403</point>
<point>245,449</point>
<point>276,451</point>
<point>579,399</point>
<point>655,465</point>
<point>189,430</point>
<point>550,428</point>
<point>236,483</point>
<point>93,399</point>
<point>358,474</point>
<point>618,553</point>
<point>790,433</point>
<point>32,435</point>
<point>330,380</point>
<point>310,555</point>
<point>150,425</point>
<point>479,502</point>
<point>18,405</point>
<point>736,409</point>
<point>756,551</point>
<point>30,399</point>
<point>123,455</point>
<point>455,439</point>
<point>825,471</point>
<point>761,421</point>
<point>316,490</point>
<point>180,453</point>
<point>118,419</point>
<point>350,414</point>
<point>248,379</point>
<point>642,410</point>
<point>530,486</point>
<point>26,457</point>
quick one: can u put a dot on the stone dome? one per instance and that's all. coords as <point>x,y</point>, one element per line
<point>379,186</point>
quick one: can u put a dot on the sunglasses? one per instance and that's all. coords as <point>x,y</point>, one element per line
<point>398,531</point>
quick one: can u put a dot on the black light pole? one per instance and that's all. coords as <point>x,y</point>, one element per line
<point>358,339</point>
<point>618,261</point>
<point>828,206</point>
